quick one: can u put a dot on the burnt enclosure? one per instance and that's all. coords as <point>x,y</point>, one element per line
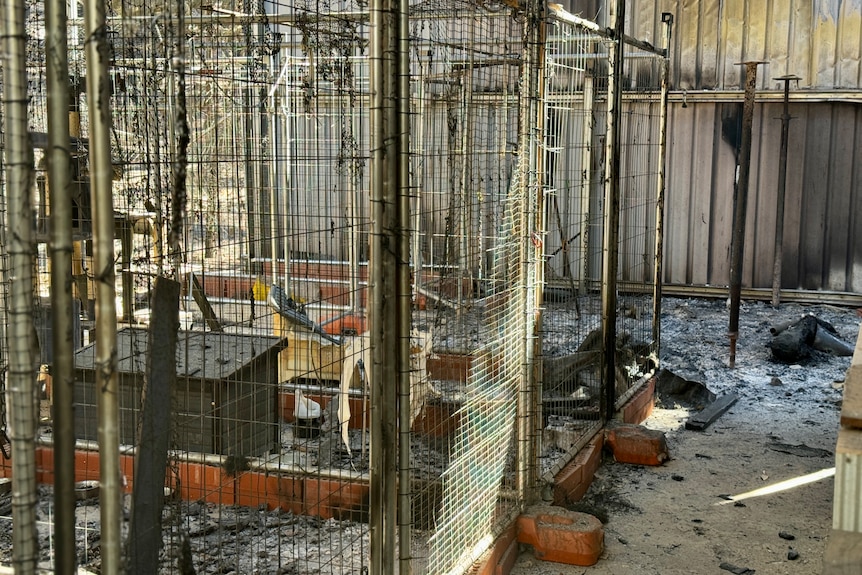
<point>225,398</point>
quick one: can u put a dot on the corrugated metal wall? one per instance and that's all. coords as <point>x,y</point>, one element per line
<point>821,42</point>
<point>822,247</point>
<point>818,40</point>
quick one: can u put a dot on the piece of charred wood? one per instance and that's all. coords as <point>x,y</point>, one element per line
<point>703,419</point>
<point>795,343</point>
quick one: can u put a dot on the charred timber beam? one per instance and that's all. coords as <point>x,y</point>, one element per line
<point>740,205</point>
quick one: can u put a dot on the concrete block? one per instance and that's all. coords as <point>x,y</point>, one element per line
<point>636,445</point>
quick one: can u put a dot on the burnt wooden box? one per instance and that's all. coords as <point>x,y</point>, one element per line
<point>225,400</point>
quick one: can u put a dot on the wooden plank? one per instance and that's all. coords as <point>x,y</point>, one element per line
<point>851,406</point>
<point>203,303</point>
<point>703,419</point>
<point>849,444</point>
<point>848,481</point>
<point>843,555</point>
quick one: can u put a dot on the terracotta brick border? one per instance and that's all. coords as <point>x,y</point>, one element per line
<point>340,499</point>
<point>573,480</point>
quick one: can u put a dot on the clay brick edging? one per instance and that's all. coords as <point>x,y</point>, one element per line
<point>572,482</point>
<point>570,485</point>
<point>636,445</point>
<point>325,498</point>
<point>500,559</point>
<point>639,407</point>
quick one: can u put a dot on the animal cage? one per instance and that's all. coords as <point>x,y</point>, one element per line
<point>576,129</point>
<point>508,218</point>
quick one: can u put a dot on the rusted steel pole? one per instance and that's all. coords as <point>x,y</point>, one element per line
<point>60,182</point>
<point>612,209</point>
<point>667,26</point>
<point>20,359</point>
<point>740,203</point>
<point>782,184</point>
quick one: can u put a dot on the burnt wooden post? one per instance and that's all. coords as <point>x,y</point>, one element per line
<point>145,531</point>
<point>740,204</point>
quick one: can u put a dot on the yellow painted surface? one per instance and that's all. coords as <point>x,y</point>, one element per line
<point>260,290</point>
<point>308,357</point>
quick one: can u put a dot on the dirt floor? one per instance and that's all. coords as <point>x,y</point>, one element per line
<point>677,518</point>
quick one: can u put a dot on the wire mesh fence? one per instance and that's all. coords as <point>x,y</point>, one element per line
<point>467,135</point>
<point>268,423</point>
<point>576,128</point>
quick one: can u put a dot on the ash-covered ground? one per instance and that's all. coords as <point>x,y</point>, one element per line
<point>675,519</point>
<point>665,520</point>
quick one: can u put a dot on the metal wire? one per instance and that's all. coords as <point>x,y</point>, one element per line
<point>269,465</point>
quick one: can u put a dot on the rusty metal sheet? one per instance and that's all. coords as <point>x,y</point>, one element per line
<point>850,44</point>
<point>822,247</point>
<point>820,41</point>
<point>710,47</point>
<point>733,40</point>
<point>799,43</point>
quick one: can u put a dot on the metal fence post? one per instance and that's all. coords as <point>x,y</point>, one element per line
<point>612,208</point>
<point>21,361</point>
<point>388,335</point>
<point>667,23</point>
<point>59,182</point>
<point>101,176</point>
<point>782,185</point>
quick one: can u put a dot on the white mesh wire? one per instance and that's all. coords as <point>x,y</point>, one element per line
<point>483,454</point>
